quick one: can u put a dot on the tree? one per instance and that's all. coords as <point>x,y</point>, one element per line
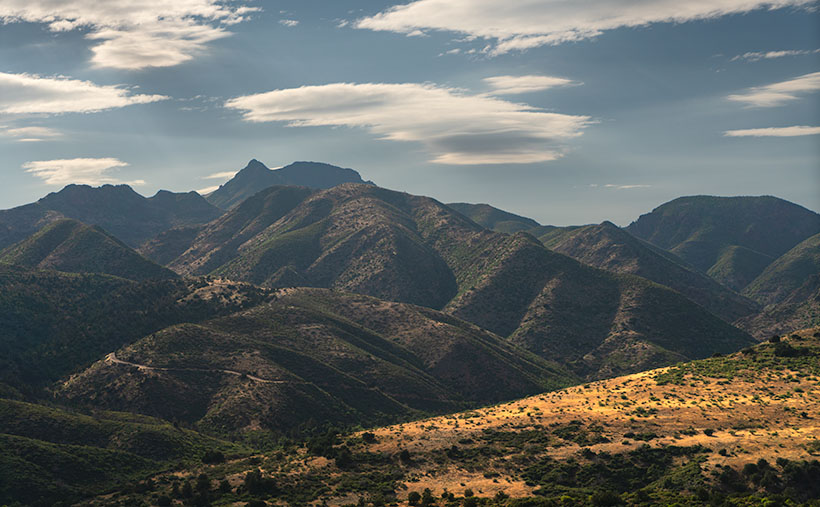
<point>413,497</point>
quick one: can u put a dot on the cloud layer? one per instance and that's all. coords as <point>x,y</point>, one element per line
<point>457,128</point>
<point>134,34</point>
<point>29,134</point>
<point>512,85</point>
<point>523,24</point>
<point>755,56</point>
<point>82,171</point>
<point>777,94</point>
<point>31,94</point>
<point>795,131</point>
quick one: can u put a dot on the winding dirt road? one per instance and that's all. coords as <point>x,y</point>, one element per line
<point>112,358</point>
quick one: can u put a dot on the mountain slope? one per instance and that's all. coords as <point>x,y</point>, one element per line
<point>400,247</point>
<point>731,238</point>
<point>119,210</point>
<point>786,274</point>
<point>256,177</point>
<point>493,218</point>
<point>71,246</point>
<point>310,357</point>
<point>607,246</point>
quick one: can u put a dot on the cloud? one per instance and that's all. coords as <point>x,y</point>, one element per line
<point>31,94</point>
<point>511,85</point>
<point>458,128</point>
<point>29,134</point>
<point>523,24</point>
<point>625,187</point>
<point>207,190</point>
<point>84,171</point>
<point>290,23</point>
<point>780,93</point>
<point>795,131</point>
<point>220,176</point>
<point>134,34</point>
<point>755,56</point>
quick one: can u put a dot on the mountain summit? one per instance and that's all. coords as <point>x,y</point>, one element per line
<point>256,177</point>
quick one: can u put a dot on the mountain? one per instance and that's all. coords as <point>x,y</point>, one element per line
<point>494,218</point>
<point>730,430</point>
<point>256,176</point>
<point>413,249</point>
<point>732,239</point>
<point>71,246</point>
<point>56,323</point>
<point>311,357</point>
<point>119,210</point>
<point>799,309</point>
<point>786,274</point>
<point>609,247</point>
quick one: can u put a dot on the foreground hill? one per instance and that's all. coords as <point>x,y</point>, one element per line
<point>119,210</point>
<point>732,239</point>
<point>787,274</point>
<point>493,218</point>
<point>312,357</point>
<point>71,246</point>
<point>51,455</point>
<point>256,177</point>
<point>609,247</point>
<point>400,247</point>
<point>735,430</point>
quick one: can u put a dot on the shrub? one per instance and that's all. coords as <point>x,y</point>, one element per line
<point>774,339</point>
<point>413,497</point>
<point>213,457</point>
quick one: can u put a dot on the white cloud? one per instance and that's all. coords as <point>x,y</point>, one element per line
<point>290,23</point>
<point>28,94</point>
<point>523,24</point>
<point>84,171</point>
<point>29,134</point>
<point>207,190</point>
<point>456,127</point>
<point>795,131</point>
<point>134,33</point>
<point>755,56</point>
<point>511,85</point>
<point>780,93</point>
<point>221,176</point>
<point>625,187</point>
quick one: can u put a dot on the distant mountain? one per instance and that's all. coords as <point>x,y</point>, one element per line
<point>400,247</point>
<point>493,218</point>
<point>732,239</point>
<point>313,355</point>
<point>119,210</point>
<point>609,247</point>
<point>787,274</point>
<point>71,246</point>
<point>256,177</point>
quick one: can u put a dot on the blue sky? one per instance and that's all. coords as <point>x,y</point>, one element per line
<point>565,111</point>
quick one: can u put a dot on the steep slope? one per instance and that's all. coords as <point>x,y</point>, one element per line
<point>801,308</point>
<point>51,455</point>
<point>786,274</point>
<point>54,323</point>
<point>493,218</point>
<point>733,430</point>
<point>71,246</point>
<point>731,238</point>
<point>400,247</point>
<point>119,210</point>
<point>310,357</point>
<point>256,177</point>
<point>609,247</point>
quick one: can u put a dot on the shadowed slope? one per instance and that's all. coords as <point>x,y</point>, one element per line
<point>493,218</point>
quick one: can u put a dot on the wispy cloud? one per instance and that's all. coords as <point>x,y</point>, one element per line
<point>794,131</point>
<point>456,127</point>
<point>29,94</point>
<point>755,56</point>
<point>29,134</point>
<point>86,171</point>
<point>220,176</point>
<point>777,94</point>
<point>290,23</point>
<point>134,34</point>
<point>207,190</point>
<point>512,85</point>
<point>516,25</point>
<point>625,187</point>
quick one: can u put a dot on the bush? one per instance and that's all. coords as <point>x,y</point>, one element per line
<point>605,498</point>
<point>368,438</point>
<point>782,349</point>
<point>774,339</point>
<point>213,457</point>
<point>413,497</point>
<point>163,501</point>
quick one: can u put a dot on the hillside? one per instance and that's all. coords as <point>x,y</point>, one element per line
<point>732,239</point>
<point>801,308</point>
<point>731,430</point>
<point>607,246</point>
<point>256,177</point>
<point>493,218</point>
<point>71,246</point>
<point>312,357</point>
<point>53,455</point>
<point>786,274</point>
<point>125,214</point>
<point>400,247</point>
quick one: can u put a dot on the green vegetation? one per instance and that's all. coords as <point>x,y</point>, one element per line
<point>494,218</point>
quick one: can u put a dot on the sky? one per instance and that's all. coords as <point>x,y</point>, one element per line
<point>566,111</point>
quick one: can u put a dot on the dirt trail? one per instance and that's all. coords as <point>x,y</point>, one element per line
<point>112,358</point>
